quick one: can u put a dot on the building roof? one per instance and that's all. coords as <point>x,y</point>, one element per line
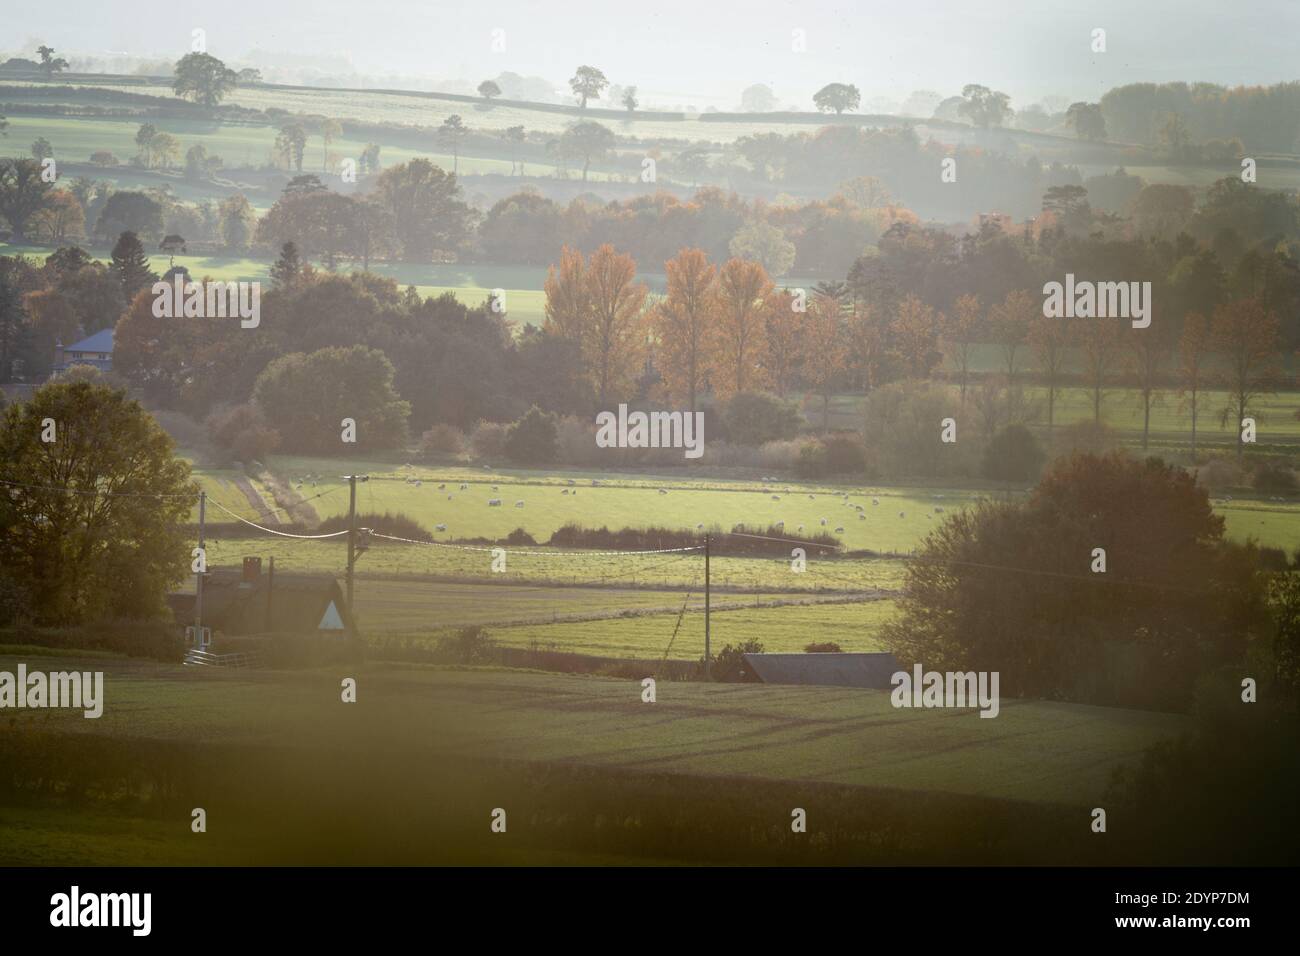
<point>298,604</point>
<point>101,341</point>
<point>835,670</point>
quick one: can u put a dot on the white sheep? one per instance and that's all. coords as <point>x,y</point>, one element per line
<point>823,522</point>
<point>494,502</point>
<point>662,492</point>
<point>862,517</point>
<point>900,514</point>
<point>464,487</point>
<point>840,529</point>
<point>572,482</point>
<point>776,497</point>
<point>800,527</point>
<point>417,484</point>
<point>938,510</point>
<point>564,491</point>
<point>875,501</point>
<point>495,488</point>
<point>700,526</point>
<point>443,486</point>
<point>440,527</point>
<point>519,503</point>
<point>781,525</point>
<point>812,497</point>
<point>449,497</point>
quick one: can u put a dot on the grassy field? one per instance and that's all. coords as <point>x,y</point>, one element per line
<point>1033,750</point>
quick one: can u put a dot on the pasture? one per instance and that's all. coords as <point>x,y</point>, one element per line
<point>1033,751</point>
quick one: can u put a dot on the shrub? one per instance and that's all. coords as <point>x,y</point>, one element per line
<point>1085,438</point>
<point>1220,473</point>
<point>828,647</point>
<point>532,439</point>
<point>520,536</point>
<point>755,418</point>
<point>243,432</point>
<point>102,157</point>
<point>812,461</point>
<point>1274,477</point>
<point>442,439</point>
<point>469,645</point>
<point>1013,455</point>
<point>729,665</point>
<point>158,640</point>
<point>845,455</point>
<point>488,440</point>
<point>394,523</point>
<point>576,441</point>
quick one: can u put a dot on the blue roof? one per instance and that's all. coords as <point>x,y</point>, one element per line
<point>101,341</point>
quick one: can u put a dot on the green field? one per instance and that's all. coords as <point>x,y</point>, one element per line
<point>1033,750</point>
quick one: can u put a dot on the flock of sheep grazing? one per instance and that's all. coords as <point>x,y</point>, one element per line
<point>497,502</point>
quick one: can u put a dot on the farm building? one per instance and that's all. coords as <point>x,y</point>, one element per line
<point>835,670</point>
<point>244,602</point>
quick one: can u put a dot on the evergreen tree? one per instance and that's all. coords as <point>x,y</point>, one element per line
<point>131,265</point>
<point>288,268</point>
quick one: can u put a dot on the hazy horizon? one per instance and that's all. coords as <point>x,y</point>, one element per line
<point>1033,50</point>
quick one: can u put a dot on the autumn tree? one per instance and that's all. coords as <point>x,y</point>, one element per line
<point>960,334</point>
<point>1245,335</point>
<point>428,214</point>
<point>1100,348</point>
<point>1010,320</point>
<point>739,328</point>
<point>870,349</point>
<point>1049,339</point>
<point>600,307</point>
<point>1148,351</point>
<point>1193,350</point>
<point>915,333</point>
<point>290,143</point>
<point>786,342</point>
<point>330,130</point>
<point>825,353</point>
<point>680,320</point>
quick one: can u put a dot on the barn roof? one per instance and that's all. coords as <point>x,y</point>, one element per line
<point>836,670</point>
<point>299,604</point>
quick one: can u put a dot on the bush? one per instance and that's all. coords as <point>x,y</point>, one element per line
<point>102,157</point>
<point>1220,473</point>
<point>1013,455</point>
<point>1085,438</point>
<point>576,442</point>
<point>812,461</point>
<point>845,455</point>
<point>394,523</point>
<point>442,440</point>
<point>488,440</point>
<point>755,418</point>
<point>469,645</point>
<point>729,665</point>
<point>532,439</point>
<point>242,431</point>
<point>828,647</point>
<point>1275,477</point>
<point>158,640</point>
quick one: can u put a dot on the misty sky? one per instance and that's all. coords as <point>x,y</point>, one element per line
<point>707,50</point>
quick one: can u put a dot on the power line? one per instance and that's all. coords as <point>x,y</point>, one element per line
<point>282,534</point>
<point>95,491</point>
<point>518,551</point>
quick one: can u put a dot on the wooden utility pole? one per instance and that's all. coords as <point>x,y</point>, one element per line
<point>198,578</point>
<point>352,533</point>
<point>708,671</point>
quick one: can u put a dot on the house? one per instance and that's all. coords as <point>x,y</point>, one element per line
<point>835,670</point>
<point>237,603</point>
<point>97,350</point>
